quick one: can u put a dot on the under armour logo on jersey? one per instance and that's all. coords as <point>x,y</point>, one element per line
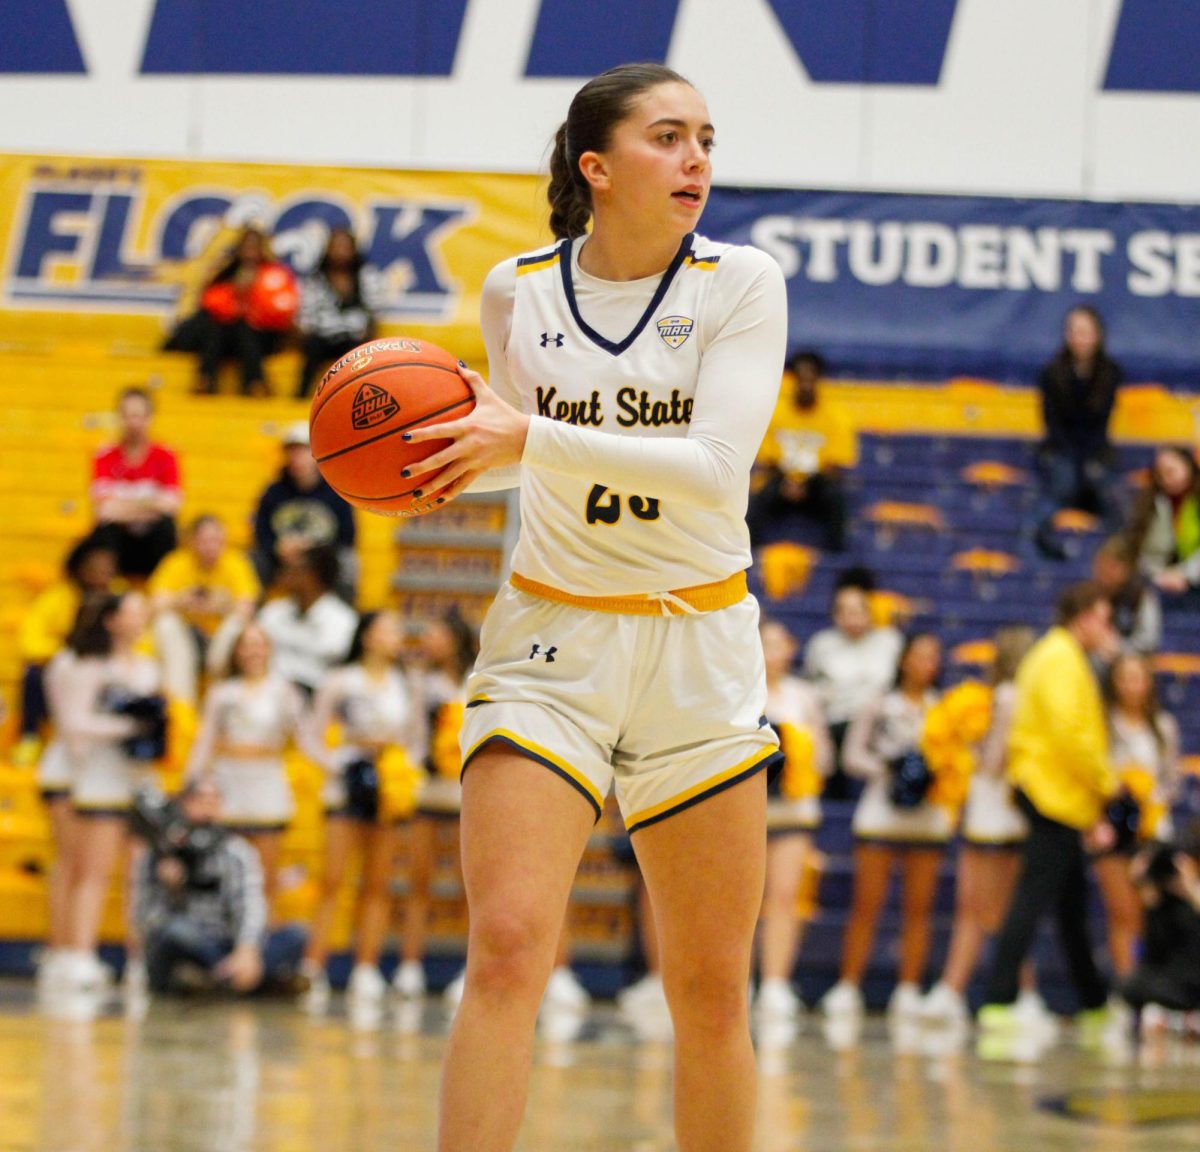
<point>557,339</point>
<point>548,654</point>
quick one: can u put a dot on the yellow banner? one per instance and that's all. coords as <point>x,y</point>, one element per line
<point>115,251</point>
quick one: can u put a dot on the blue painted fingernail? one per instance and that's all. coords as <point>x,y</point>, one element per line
<point>462,363</point>
<point>405,473</point>
<point>417,494</point>
<point>406,436</point>
<point>441,500</point>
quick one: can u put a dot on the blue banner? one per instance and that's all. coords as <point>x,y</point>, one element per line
<point>931,287</point>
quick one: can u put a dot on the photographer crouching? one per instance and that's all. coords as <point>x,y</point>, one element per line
<point>199,902</point>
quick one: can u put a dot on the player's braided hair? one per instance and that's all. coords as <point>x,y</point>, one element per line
<point>598,107</point>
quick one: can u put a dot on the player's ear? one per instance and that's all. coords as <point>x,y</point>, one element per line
<point>595,170</point>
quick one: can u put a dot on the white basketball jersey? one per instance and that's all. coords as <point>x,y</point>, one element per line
<point>624,359</point>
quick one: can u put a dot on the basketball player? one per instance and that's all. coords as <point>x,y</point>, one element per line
<point>634,370</point>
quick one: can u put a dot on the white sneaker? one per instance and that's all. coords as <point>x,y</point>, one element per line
<point>316,997</point>
<point>942,1005</point>
<point>563,991</point>
<point>135,980</point>
<point>777,1001</point>
<point>644,994</point>
<point>50,968</point>
<point>409,980</point>
<point>366,985</point>
<point>1030,1009</point>
<point>82,971</point>
<point>843,999</point>
<point>453,994</point>
<point>906,1001</point>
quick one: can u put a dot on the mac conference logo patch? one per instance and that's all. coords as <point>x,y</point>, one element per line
<point>674,330</point>
<point>372,406</point>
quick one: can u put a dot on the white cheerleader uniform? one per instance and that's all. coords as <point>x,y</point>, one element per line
<point>1130,743</point>
<point>256,794</point>
<point>54,773</point>
<point>625,645</point>
<point>792,701</point>
<point>990,818</point>
<point>441,795</point>
<point>370,712</point>
<point>105,776</point>
<point>884,730</point>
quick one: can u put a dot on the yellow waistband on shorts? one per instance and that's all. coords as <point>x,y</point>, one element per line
<point>680,602</point>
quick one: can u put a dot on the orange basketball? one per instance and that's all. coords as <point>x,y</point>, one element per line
<point>362,405</point>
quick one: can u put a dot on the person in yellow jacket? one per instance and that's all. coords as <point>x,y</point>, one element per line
<point>90,566</point>
<point>1058,764</point>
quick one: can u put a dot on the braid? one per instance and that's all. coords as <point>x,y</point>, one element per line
<point>570,209</point>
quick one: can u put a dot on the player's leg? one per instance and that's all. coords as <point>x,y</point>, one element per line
<point>523,833</point>
<point>704,867</point>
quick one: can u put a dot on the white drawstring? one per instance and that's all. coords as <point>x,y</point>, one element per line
<point>666,599</point>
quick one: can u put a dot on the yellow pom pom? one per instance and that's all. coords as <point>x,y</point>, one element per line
<point>800,777</point>
<point>444,750</point>
<point>400,782</point>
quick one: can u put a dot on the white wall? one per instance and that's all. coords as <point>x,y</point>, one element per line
<point>1019,110</point>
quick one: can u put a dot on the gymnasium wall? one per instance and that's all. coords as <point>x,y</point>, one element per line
<point>962,171</point>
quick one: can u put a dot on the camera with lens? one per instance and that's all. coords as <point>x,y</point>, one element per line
<point>149,742</point>
<point>161,823</point>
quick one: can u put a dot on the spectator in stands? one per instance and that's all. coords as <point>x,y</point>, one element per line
<point>1137,610</point>
<point>249,718</point>
<point>201,908</point>
<point>192,591</point>
<point>136,490</point>
<point>310,628</point>
<point>1165,526</point>
<point>1060,768</point>
<point>810,443</point>
<point>299,511</point>
<point>850,664</point>
<point>228,326</point>
<point>993,831</point>
<point>894,824</point>
<point>1144,739</point>
<point>90,567</point>
<point>793,816</point>
<point>337,306</point>
<point>1078,390</point>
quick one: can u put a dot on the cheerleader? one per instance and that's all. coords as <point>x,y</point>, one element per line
<point>106,666</point>
<point>893,824</point>
<point>993,831</point>
<point>793,815</point>
<point>248,720</point>
<point>371,703</point>
<point>1143,741</point>
<point>448,647</point>
<point>54,786</point>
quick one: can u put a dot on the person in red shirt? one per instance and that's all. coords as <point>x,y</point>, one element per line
<point>135,490</point>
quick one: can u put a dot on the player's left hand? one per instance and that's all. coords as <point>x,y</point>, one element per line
<point>491,436</point>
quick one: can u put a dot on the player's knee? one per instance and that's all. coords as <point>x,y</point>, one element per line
<point>709,996</point>
<point>508,949</point>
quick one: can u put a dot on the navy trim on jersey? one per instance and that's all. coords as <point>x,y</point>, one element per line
<point>564,262</point>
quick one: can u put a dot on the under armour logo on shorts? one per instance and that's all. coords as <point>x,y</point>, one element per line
<point>548,654</point>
